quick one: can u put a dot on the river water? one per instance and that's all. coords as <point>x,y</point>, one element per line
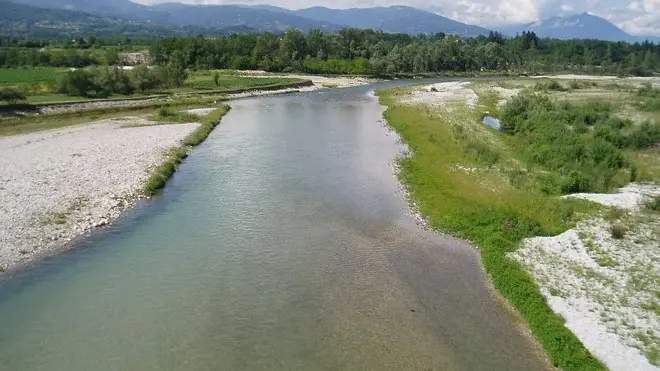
<point>282,243</point>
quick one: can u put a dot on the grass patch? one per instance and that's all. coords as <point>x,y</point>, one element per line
<point>208,80</point>
<point>654,204</point>
<point>175,156</point>
<point>18,76</point>
<point>329,85</point>
<point>618,231</point>
<point>496,220</point>
<point>168,114</point>
<point>31,123</point>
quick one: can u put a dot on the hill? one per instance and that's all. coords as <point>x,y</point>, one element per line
<point>221,16</point>
<point>398,19</point>
<point>578,26</point>
<point>18,20</point>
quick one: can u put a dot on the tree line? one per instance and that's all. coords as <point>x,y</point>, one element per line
<point>378,53</point>
<point>356,51</point>
<point>105,81</point>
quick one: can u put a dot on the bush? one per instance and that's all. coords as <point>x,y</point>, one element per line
<point>549,85</point>
<point>583,143</point>
<point>145,79</point>
<point>11,95</point>
<point>654,204</point>
<point>76,83</point>
<point>618,231</point>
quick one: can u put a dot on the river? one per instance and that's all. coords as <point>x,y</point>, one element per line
<point>282,243</point>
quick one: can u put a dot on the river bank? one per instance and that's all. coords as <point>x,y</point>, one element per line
<point>461,176</point>
<point>60,184</point>
<point>50,199</point>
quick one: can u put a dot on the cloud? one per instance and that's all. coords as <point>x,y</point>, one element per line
<point>640,17</point>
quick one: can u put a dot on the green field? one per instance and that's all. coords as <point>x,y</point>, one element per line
<point>21,76</point>
<point>205,80</point>
<point>40,84</point>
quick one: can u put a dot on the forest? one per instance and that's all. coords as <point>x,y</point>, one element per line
<point>355,51</point>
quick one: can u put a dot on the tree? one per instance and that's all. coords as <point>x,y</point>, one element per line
<point>11,95</point>
<point>76,83</point>
<point>216,78</point>
<point>175,70</point>
<point>145,79</point>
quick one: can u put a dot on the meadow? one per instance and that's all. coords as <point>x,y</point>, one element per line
<point>40,85</point>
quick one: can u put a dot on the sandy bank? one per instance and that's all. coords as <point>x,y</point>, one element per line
<point>56,185</point>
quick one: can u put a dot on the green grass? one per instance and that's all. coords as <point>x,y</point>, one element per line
<point>209,123</point>
<point>490,212</point>
<point>164,171</point>
<point>32,123</point>
<point>205,80</point>
<point>17,76</point>
<point>170,115</point>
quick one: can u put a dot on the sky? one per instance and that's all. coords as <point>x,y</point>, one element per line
<point>638,17</point>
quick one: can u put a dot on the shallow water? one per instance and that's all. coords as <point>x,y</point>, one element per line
<point>283,243</point>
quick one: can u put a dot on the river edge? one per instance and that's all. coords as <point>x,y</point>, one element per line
<point>517,319</point>
<point>65,229</point>
<point>505,279</point>
<point>63,235</point>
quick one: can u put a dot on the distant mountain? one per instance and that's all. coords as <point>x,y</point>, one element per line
<point>18,20</point>
<point>103,7</point>
<point>259,18</point>
<point>578,26</point>
<point>399,19</point>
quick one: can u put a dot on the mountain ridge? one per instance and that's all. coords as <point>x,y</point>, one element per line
<point>576,26</point>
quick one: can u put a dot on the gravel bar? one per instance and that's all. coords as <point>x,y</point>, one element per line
<point>57,185</point>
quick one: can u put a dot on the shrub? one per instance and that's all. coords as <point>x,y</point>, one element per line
<point>11,95</point>
<point>618,231</point>
<point>549,85</point>
<point>654,204</point>
<point>76,83</point>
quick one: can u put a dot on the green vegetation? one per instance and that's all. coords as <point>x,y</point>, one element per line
<point>28,124</point>
<point>618,231</point>
<point>229,80</point>
<point>103,82</point>
<point>11,95</point>
<point>209,123</point>
<point>170,115</point>
<point>42,85</point>
<point>163,172</point>
<point>654,204</point>
<point>29,75</point>
<point>354,51</point>
<point>650,98</point>
<point>582,146</point>
<point>485,208</point>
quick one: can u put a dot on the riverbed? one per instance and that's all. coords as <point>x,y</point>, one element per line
<point>283,242</point>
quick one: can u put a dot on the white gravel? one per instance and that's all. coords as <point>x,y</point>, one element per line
<point>443,94</point>
<point>605,288</point>
<point>56,185</point>
<point>630,197</point>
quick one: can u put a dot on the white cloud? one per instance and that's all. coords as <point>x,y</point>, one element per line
<point>641,17</point>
